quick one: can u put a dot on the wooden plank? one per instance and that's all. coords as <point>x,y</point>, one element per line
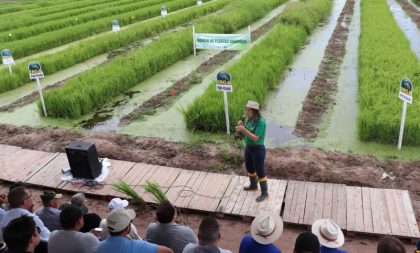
<point>319,204</point>
<point>228,194</point>
<point>6,151</point>
<point>310,204</point>
<point>162,176</point>
<point>300,208</point>
<point>135,175</point>
<point>268,204</point>
<point>186,190</point>
<point>220,192</point>
<point>50,175</point>
<point>383,209</point>
<point>178,185</point>
<point>334,207</point>
<point>351,214</point>
<point>293,216</point>
<point>117,171</point>
<point>240,201</point>
<point>230,205</point>
<point>342,207</point>
<point>199,198</point>
<point>280,196</point>
<point>358,209</point>
<point>193,189</point>
<point>402,216</point>
<point>139,186</point>
<point>411,217</point>
<point>367,210</point>
<point>210,192</point>
<point>393,215</point>
<point>328,198</point>
<point>376,214</point>
<point>288,201</point>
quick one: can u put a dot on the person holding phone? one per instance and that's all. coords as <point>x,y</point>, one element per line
<point>253,129</point>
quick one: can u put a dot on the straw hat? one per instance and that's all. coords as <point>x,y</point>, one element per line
<point>253,105</point>
<point>328,233</point>
<point>266,228</point>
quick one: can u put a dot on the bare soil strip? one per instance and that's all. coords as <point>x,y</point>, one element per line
<point>324,86</point>
<point>411,11</point>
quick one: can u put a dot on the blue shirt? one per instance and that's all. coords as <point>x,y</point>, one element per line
<point>330,250</point>
<point>51,217</point>
<point>249,245</point>
<point>120,244</point>
<point>2,213</point>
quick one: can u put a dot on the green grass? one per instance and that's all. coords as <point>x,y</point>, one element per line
<point>94,88</point>
<point>123,187</point>
<point>156,191</point>
<point>104,43</point>
<point>260,69</point>
<point>385,57</point>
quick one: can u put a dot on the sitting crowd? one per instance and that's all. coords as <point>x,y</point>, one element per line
<point>70,228</point>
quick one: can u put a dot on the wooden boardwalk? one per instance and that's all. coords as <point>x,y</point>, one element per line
<point>355,209</point>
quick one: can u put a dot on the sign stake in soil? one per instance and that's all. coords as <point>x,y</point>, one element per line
<point>116,26</point>
<point>224,84</point>
<point>164,11</point>
<point>35,72</point>
<point>406,94</point>
<point>7,59</point>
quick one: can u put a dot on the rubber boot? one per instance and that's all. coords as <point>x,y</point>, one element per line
<point>264,191</point>
<point>253,184</point>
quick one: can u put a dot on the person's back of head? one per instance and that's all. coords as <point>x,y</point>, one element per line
<point>21,234</point>
<point>71,218</point>
<point>165,212</point>
<point>17,196</point>
<point>209,231</point>
<point>307,242</point>
<point>16,184</point>
<point>389,244</point>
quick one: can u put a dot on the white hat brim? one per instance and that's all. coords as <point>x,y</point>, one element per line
<point>323,241</point>
<point>124,203</point>
<point>271,238</point>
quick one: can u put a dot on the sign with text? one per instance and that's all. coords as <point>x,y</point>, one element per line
<point>221,41</point>
<point>164,11</point>
<point>35,70</point>
<point>116,25</point>
<point>7,57</point>
<point>406,90</point>
<point>223,82</point>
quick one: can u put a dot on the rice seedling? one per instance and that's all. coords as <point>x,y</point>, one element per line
<point>385,57</point>
<point>123,187</point>
<point>156,191</point>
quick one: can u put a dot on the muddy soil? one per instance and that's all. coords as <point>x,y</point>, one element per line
<point>303,163</point>
<point>320,96</point>
<point>411,11</point>
<point>232,229</point>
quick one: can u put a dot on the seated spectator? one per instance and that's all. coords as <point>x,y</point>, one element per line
<point>114,204</point>
<point>307,242</point>
<point>50,214</point>
<point>20,203</point>
<point>91,220</point>
<point>389,244</point>
<point>329,235</point>
<point>119,225</point>
<point>266,228</point>
<point>166,232</point>
<point>418,247</point>
<point>70,240</point>
<point>208,238</point>
<point>22,235</point>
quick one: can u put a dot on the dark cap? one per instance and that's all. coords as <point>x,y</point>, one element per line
<point>307,242</point>
<point>50,195</point>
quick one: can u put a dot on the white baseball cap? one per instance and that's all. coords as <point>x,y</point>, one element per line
<point>117,203</point>
<point>119,219</point>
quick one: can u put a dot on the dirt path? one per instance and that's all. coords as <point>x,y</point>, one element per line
<point>306,164</point>
<point>324,85</point>
<point>411,11</point>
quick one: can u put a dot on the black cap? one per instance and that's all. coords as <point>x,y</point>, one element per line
<point>50,195</point>
<point>307,242</point>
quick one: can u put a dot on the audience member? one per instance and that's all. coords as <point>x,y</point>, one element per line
<point>329,235</point>
<point>166,232</point>
<point>307,242</point>
<point>208,238</point>
<point>22,235</point>
<point>20,203</point>
<point>119,225</point>
<point>91,220</point>
<point>266,228</point>
<point>50,214</point>
<point>390,244</point>
<point>70,240</point>
<point>79,200</point>
<point>114,204</point>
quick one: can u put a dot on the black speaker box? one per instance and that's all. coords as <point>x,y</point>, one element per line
<point>83,160</point>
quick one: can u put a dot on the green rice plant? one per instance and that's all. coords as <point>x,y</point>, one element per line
<point>52,39</point>
<point>103,14</point>
<point>156,191</point>
<point>385,57</point>
<point>93,88</point>
<point>260,69</point>
<point>21,6</point>
<point>102,44</point>
<point>123,187</point>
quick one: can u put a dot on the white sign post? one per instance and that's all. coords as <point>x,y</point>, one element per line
<point>35,72</point>
<point>164,11</point>
<point>224,84</point>
<point>7,58</point>
<point>116,26</point>
<point>199,2</point>
<point>406,94</point>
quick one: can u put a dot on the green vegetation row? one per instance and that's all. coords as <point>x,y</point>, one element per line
<point>104,14</point>
<point>104,43</point>
<point>385,57</point>
<point>53,39</point>
<point>259,71</point>
<point>25,5</point>
<point>25,20</point>
<point>417,2</point>
<point>94,88</point>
